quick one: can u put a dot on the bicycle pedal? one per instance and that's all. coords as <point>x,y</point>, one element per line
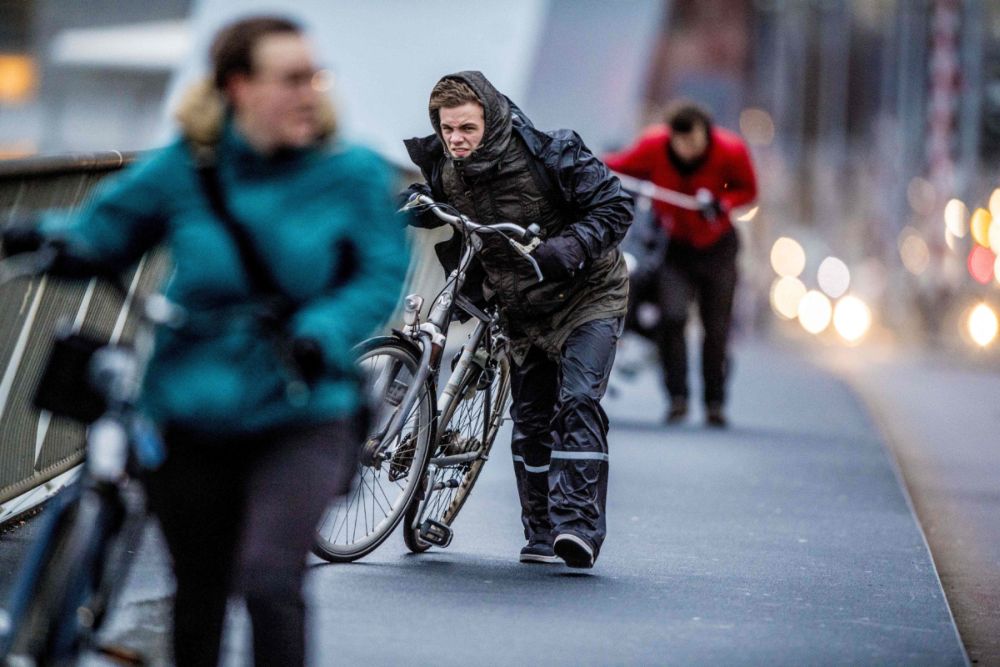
<point>121,655</point>
<point>436,533</point>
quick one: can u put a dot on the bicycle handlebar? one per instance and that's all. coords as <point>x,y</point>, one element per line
<point>529,234</point>
<point>665,195</point>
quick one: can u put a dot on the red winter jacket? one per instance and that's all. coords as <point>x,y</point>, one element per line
<point>726,172</point>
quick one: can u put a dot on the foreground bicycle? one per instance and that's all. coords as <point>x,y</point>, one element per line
<point>425,451</point>
<point>68,580</point>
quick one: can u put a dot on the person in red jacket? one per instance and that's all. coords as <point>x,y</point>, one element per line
<point>690,154</point>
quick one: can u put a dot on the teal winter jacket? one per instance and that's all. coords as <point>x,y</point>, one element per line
<point>306,210</point>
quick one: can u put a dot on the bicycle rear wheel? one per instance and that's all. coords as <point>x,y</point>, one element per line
<point>388,474</point>
<point>472,426</point>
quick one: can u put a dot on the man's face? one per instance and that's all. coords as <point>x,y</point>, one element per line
<point>690,146</point>
<point>278,103</point>
<point>462,128</point>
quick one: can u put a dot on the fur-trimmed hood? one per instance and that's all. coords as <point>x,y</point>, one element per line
<point>202,111</point>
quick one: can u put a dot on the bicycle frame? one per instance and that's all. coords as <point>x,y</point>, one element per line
<point>431,335</point>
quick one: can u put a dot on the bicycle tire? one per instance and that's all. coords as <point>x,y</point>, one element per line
<point>444,507</point>
<point>335,541</point>
<point>54,624</point>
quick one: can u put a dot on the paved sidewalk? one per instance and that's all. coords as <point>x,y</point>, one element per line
<point>942,418</point>
<point>785,540</point>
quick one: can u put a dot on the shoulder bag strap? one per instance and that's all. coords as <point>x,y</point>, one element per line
<point>261,277</point>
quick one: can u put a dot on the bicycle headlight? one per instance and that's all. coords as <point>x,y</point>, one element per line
<point>411,310</point>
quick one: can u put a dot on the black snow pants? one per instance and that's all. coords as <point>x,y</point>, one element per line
<point>709,277</point>
<point>560,442</point>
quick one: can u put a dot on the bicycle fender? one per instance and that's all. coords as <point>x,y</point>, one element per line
<point>396,337</point>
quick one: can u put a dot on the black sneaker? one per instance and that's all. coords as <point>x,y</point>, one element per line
<point>538,552</point>
<point>715,417</point>
<point>678,410</point>
<point>574,550</point>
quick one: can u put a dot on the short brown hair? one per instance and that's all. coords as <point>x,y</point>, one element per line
<point>450,93</point>
<point>682,117</point>
<point>233,46</point>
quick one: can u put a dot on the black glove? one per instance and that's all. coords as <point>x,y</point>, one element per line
<point>709,207</point>
<point>403,198</point>
<point>21,235</point>
<point>309,359</point>
<point>560,257</point>
<point>415,218</point>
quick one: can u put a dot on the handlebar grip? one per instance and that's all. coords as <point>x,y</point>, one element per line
<point>532,232</point>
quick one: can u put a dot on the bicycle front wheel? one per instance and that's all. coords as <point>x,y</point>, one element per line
<point>58,581</point>
<point>471,427</point>
<point>389,471</point>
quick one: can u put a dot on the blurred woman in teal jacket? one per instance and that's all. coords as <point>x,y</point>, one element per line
<point>250,467</point>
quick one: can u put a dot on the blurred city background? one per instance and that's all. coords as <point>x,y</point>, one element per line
<point>872,251</point>
<point>874,124</point>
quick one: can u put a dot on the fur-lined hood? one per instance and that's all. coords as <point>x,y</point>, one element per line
<point>201,114</point>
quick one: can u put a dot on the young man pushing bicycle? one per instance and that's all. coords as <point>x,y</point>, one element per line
<point>487,160</point>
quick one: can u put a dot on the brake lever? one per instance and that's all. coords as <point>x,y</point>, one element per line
<point>538,269</point>
<point>525,249</point>
<point>416,200</point>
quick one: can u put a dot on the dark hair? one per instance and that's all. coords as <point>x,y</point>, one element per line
<point>683,116</point>
<point>450,93</point>
<point>233,46</point>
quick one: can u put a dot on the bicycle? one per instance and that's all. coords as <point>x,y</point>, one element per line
<point>426,450</point>
<point>68,580</point>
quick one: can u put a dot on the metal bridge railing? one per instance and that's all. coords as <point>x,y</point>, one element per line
<point>38,451</point>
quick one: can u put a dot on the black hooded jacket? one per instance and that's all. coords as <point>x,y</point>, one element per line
<point>577,195</point>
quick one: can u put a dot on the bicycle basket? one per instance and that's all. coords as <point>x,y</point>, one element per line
<point>64,388</point>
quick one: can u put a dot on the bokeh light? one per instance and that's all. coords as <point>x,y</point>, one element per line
<point>757,126</point>
<point>913,251</point>
<point>980,225</point>
<point>815,312</point>
<point>994,204</point>
<point>956,218</point>
<point>834,277</point>
<point>852,318</point>
<point>18,78</point>
<point>786,293</point>
<point>787,257</point>
<point>982,325</point>
<point>950,240</point>
<point>993,237</point>
<point>981,262</point>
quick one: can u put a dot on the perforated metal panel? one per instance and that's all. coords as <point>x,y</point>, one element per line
<point>35,447</point>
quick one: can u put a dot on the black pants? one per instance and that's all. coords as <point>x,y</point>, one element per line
<point>709,277</point>
<point>239,519</point>
<point>560,440</point>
